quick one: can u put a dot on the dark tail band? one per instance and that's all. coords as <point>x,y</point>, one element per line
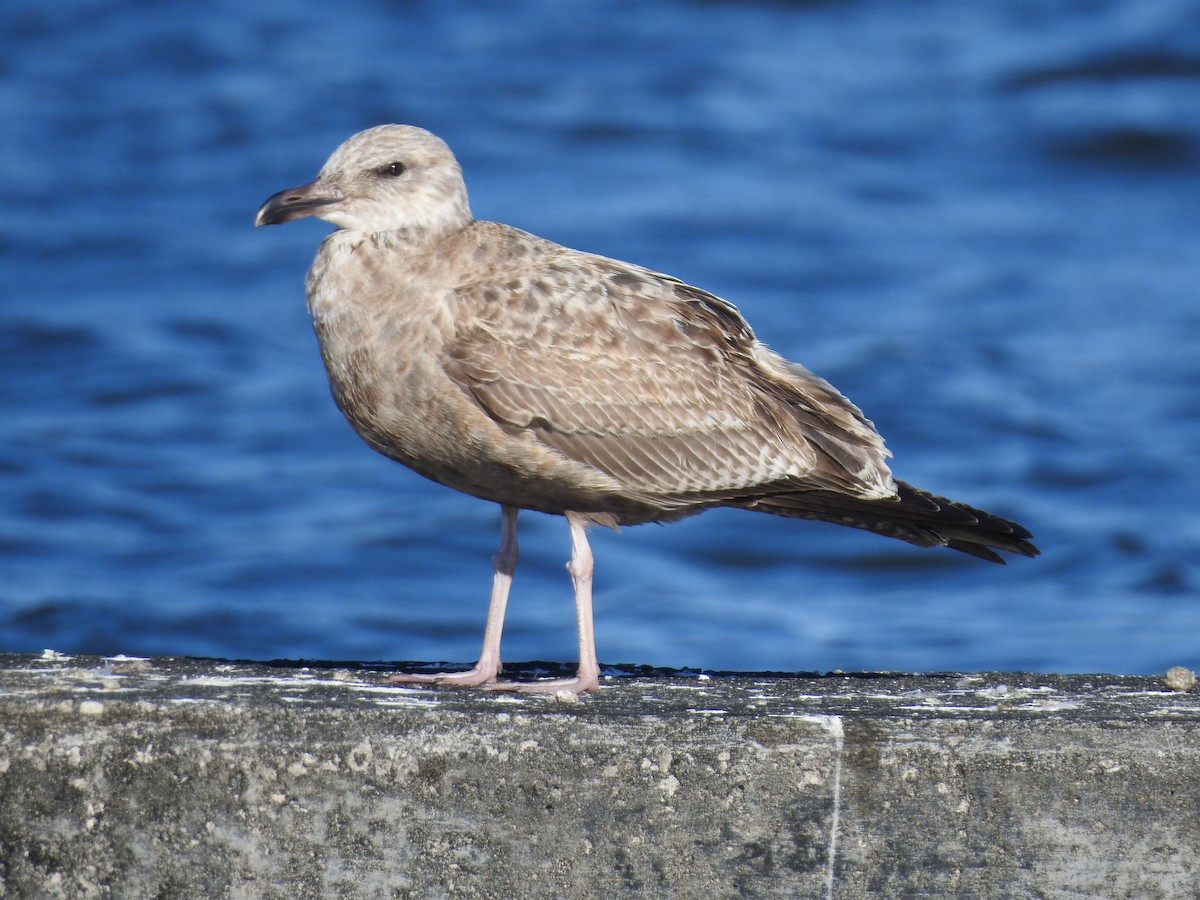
<point>915,516</point>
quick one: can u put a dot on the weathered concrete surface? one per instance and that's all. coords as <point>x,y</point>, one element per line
<point>189,778</point>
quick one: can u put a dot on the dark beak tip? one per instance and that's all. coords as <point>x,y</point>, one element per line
<point>269,214</point>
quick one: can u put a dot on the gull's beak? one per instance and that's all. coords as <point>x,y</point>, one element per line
<point>294,203</point>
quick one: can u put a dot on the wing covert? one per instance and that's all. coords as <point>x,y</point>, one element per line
<point>656,383</point>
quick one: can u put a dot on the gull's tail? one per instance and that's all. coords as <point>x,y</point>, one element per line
<point>914,515</point>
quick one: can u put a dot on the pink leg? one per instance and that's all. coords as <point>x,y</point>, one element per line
<point>587,678</point>
<point>504,563</point>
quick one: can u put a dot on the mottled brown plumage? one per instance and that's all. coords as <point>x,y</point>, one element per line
<point>539,377</point>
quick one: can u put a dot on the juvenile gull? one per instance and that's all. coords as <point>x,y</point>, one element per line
<point>539,377</point>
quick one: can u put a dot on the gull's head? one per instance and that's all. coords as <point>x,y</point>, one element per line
<point>382,179</point>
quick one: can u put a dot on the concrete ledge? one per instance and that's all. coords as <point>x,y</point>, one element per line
<point>191,778</point>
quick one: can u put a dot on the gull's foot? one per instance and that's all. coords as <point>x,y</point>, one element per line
<point>577,685</point>
<point>473,677</point>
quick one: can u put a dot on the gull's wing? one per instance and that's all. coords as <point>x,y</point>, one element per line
<point>658,384</point>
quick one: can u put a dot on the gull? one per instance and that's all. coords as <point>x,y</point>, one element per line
<point>523,372</point>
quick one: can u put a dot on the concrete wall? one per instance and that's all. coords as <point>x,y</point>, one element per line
<point>184,778</point>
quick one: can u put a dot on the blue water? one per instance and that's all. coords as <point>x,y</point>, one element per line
<point>980,220</point>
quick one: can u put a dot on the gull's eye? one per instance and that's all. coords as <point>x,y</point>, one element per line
<point>392,170</point>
